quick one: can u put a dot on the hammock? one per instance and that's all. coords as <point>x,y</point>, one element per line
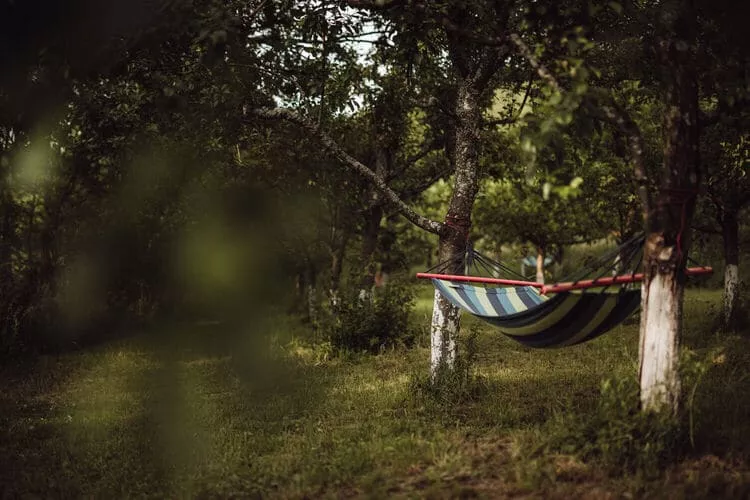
<point>577,311</point>
<point>532,319</point>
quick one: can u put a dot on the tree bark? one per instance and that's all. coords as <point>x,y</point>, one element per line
<point>370,233</point>
<point>540,265</point>
<point>446,318</point>
<point>668,223</point>
<point>374,216</point>
<point>337,260</point>
<point>730,235</point>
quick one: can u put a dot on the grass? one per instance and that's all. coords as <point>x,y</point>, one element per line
<point>207,411</point>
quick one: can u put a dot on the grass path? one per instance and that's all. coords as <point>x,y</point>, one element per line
<point>199,411</point>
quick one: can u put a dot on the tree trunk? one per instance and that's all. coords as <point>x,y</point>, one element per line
<point>730,235</point>
<point>668,223</point>
<point>312,294</point>
<point>661,316</point>
<point>337,260</point>
<point>623,260</point>
<point>446,318</point>
<point>370,234</point>
<point>298,298</point>
<point>540,265</point>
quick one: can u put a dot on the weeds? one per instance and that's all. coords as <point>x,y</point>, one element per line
<point>451,387</point>
<point>618,435</point>
<point>622,438</point>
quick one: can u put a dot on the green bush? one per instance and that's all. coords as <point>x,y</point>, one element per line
<point>373,324</point>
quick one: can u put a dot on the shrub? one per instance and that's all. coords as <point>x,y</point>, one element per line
<point>373,324</point>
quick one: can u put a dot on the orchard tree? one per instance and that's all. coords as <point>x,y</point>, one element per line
<point>728,186</point>
<point>476,49</point>
<point>725,142</point>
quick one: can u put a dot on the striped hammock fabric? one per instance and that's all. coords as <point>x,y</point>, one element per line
<point>534,320</point>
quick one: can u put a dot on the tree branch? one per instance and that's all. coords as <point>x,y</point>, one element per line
<point>491,41</point>
<point>706,229</point>
<point>374,4</point>
<point>541,70</point>
<point>616,115</point>
<point>352,163</point>
<point>499,121</point>
<point>427,148</point>
<point>433,102</point>
<point>514,119</point>
<point>421,185</point>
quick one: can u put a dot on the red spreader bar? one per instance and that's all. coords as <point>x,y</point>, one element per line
<point>615,280</point>
<point>479,279</point>
<point>558,287</point>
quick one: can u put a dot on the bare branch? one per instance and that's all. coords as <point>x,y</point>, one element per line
<point>541,70</point>
<point>421,186</point>
<point>433,102</point>
<point>352,163</point>
<point>525,98</point>
<point>510,120</point>
<point>257,10</point>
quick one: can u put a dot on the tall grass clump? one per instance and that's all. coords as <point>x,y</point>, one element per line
<point>622,438</point>
<point>449,388</point>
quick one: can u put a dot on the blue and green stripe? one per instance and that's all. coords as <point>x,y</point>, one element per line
<point>537,321</point>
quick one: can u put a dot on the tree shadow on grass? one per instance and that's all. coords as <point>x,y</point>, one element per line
<point>168,415</point>
<point>721,405</point>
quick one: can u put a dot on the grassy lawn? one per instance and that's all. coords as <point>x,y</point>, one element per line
<point>205,410</point>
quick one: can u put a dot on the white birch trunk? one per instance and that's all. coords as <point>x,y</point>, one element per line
<point>661,306</point>
<point>365,295</point>
<point>443,330</point>
<point>334,299</point>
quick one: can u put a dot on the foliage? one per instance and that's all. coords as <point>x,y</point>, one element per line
<point>375,324</point>
<point>520,212</point>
